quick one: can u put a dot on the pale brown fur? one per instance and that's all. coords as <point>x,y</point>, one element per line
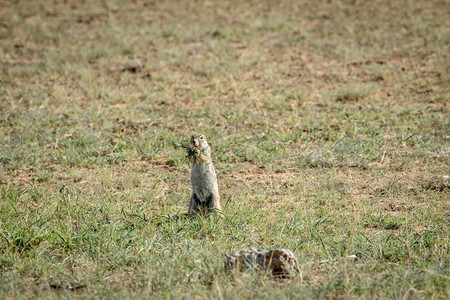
<point>205,192</point>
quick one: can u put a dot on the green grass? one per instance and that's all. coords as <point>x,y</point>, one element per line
<point>329,126</point>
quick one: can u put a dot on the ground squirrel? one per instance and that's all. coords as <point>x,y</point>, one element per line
<point>205,191</point>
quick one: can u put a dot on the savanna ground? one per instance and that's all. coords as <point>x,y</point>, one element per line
<point>329,125</point>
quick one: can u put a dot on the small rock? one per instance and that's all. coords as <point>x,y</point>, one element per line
<point>280,262</point>
<point>133,66</point>
<point>441,183</point>
<point>352,257</point>
<point>67,287</point>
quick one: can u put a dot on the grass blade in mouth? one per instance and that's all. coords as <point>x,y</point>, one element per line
<point>191,152</point>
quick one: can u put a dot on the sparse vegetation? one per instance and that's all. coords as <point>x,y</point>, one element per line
<point>329,126</point>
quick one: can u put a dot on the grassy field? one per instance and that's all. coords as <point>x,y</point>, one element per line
<point>329,124</point>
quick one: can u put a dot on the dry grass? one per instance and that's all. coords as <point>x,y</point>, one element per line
<point>329,126</point>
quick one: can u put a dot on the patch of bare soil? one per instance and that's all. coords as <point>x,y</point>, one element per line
<point>20,177</point>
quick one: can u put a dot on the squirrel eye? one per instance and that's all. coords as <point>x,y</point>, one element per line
<point>201,137</point>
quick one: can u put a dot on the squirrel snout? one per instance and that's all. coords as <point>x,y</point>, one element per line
<point>198,141</point>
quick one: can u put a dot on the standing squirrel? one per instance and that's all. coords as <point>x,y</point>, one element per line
<point>205,191</point>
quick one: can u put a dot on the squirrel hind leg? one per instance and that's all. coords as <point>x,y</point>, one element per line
<point>214,204</point>
<point>194,207</point>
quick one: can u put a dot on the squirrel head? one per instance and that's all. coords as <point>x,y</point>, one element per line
<point>198,142</point>
<point>200,153</point>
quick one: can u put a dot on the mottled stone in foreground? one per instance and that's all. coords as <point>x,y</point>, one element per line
<point>280,262</point>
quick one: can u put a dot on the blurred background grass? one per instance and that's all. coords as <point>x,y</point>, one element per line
<point>329,126</point>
